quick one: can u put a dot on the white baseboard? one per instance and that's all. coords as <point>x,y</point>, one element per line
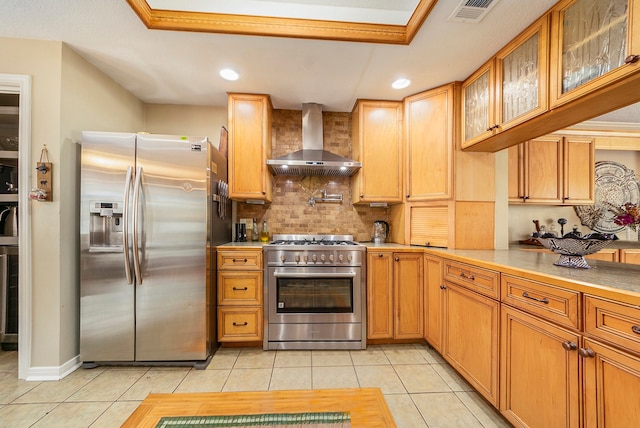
<point>53,373</point>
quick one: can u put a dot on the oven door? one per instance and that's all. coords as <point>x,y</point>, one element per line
<point>314,295</point>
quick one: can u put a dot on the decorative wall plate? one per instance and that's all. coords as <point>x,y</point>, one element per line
<point>615,185</point>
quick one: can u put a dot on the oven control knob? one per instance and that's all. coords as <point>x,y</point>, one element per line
<point>283,258</point>
<point>314,258</point>
<point>331,258</point>
<point>297,259</point>
<point>341,258</point>
<point>322,258</point>
<point>306,259</point>
<point>349,257</point>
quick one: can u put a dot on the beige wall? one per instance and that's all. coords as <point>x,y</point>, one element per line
<point>521,216</point>
<point>185,120</point>
<point>68,96</point>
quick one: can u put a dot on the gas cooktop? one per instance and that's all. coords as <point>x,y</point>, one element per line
<point>342,240</point>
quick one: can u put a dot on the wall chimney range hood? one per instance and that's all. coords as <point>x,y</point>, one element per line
<point>312,159</point>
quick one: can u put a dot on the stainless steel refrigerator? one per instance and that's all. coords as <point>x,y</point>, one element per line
<point>152,211</point>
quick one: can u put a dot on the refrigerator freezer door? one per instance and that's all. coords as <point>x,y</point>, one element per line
<point>171,299</point>
<point>107,320</point>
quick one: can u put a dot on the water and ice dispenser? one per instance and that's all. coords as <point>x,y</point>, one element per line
<point>105,226</point>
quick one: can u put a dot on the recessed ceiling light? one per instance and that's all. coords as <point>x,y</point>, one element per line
<point>401,83</point>
<point>229,74</point>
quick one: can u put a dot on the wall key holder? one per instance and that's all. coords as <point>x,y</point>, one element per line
<point>42,191</point>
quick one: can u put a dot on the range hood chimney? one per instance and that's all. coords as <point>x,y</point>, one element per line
<point>312,159</point>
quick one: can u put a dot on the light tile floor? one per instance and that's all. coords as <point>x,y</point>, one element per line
<point>420,388</point>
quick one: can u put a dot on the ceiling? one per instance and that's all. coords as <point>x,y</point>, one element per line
<point>178,67</point>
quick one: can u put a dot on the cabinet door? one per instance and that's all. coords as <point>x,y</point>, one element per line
<point>593,44</point>
<point>377,144</point>
<point>408,278</point>
<point>430,225</point>
<point>579,171</point>
<point>630,256</point>
<point>611,386</point>
<point>249,147</point>
<point>471,338</point>
<point>521,73</point>
<point>429,122</point>
<point>539,375</point>
<point>434,300</point>
<point>516,173</point>
<point>543,170</point>
<point>478,106</point>
<point>380,295</point>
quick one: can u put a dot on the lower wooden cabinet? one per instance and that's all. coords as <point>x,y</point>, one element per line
<point>394,295</point>
<point>611,386</point>
<point>630,256</point>
<point>539,372</point>
<point>240,295</point>
<point>471,338</point>
<point>434,301</point>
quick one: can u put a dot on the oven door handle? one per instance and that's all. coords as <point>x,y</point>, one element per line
<point>279,274</point>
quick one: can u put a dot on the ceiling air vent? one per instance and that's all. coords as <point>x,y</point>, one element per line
<point>472,11</point>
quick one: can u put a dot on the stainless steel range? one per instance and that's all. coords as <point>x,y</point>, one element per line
<point>315,293</point>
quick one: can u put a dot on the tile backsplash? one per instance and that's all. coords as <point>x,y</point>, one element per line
<point>290,211</point>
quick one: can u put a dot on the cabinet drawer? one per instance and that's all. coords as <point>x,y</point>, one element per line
<point>480,280</point>
<point>239,260</point>
<point>239,324</point>
<point>240,288</point>
<point>555,304</point>
<point>613,322</point>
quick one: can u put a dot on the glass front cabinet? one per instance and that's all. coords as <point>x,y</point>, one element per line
<point>595,43</point>
<point>509,89</point>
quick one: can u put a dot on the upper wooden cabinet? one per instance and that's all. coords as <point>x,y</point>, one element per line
<point>509,89</point>
<point>249,147</point>
<point>594,43</point>
<point>429,129</point>
<point>377,143</point>
<point>554,170</point>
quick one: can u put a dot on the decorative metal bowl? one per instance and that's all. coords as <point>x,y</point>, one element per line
<point>573,247</point>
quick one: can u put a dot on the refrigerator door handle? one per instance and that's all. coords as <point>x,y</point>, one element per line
<point>136,247</point>
<point>125,226</point>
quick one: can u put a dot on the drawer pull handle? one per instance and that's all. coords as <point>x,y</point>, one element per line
<point>471,277</point>
<point>239,260</point>
<point>238,324</point>
<point>586,353</point>
<point>569,346</point>
<point>240,289</point>
<point>636,329</point>
<point>543,300</point>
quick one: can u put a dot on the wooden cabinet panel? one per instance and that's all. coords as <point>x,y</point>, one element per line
<point>240,295</point>
<point>240,288</point>
<point>539,378</point>
<point>429,123</point>
<point>471,338</point>
<point>240,260</point>
<point>606,254</point>
<point>429,225</point>
<point>611,385</point>
<point>480,280</point>
<point>590,43</point>
<point>613,322</point>
<point>522,76</point>
<point>249,147</point>
<point>543,170</point>
<point>554,169</point>
<point>630,256</point>
<point>434,301</point>
<point>478,105</point>
<point>553,303</point>
<point>380,295</point>
<point>579,170</point>
<point>240,324</point>
<point>377,144</point>
<point>408,277</point>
